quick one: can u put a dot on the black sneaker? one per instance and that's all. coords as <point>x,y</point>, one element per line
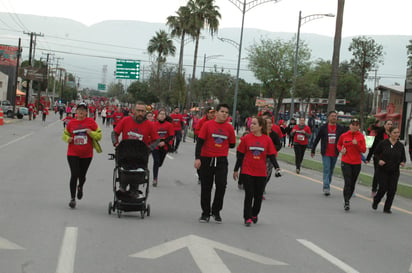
<point>217,218</point>
<point>79,192</point>
<point>374,205</point>
<point>204,219</point>
<point>346,206</point>
<point>387,211</point>
<point>72,204</point>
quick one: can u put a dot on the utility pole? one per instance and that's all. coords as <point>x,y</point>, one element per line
<point>54,78</point>
<point>31,58</point>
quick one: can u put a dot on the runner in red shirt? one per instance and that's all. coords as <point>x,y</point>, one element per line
<point>117,116</point>
<point>215,139</point>
<point>45,113</point>
<point>92,111</point>
<point>351,145</point>
<point>300,134</point>
<point>31,109</point>
<point>79,133</point>
<point>166,132</point>
<point>210,115</point>
<point>186,120</point>
<point>251,156</point>
<point>177,124</point>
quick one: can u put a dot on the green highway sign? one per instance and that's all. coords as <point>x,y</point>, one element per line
<point>127,69</point>
<point>101,87</point>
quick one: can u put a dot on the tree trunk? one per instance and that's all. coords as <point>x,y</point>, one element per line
<point>362,101</point>
<point>182,45</point>
<point>279,104</point>
<point>188,101</point>
<point>335,58</point>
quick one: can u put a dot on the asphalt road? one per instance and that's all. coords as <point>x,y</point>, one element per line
<point>299,229</point>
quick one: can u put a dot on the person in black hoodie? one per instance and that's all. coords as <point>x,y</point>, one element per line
<point>328,135</point>
<point>390,154</point>
<point>381,133</point>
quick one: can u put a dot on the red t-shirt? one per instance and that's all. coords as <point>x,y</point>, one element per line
<point>200,125</point>
<point>31,107</point>
<point>117,117</point>
<point>353,152</point>
<point>164,130</point>
<point>130,129</point>
<point>177,121</point>
<point>217,138</point>
<point>81,145</point>
<point>331,146</point>
<point>186,118</point>
<point>300,137</point>
<point>277,130</point>
<point>256,149</point>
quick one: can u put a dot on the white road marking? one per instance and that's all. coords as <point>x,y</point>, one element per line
<point>15,140</point>
<point>410,268</point>
<point>6,244</point>
<point>332,259</point>
<point>68,251</point>
<point>203,253</point>
<point>170,157</point>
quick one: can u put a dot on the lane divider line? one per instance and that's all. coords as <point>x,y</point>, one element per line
<point>341,189</point>
<point>15,140</point>
<point>68,251</point>
<point>329,257</point>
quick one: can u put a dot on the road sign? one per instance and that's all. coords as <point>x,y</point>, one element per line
<point>203,252</point>
<point>127,69</point>
<point>101,87</point>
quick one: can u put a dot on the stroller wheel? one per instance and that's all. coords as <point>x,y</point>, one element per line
<point>142,214</point>
<point>148,210</point>
<point>109,209</point>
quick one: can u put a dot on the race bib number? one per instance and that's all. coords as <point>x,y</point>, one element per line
<point>133,135</point>
<point>331,139</point>
<point>80,140</point>
<point>300,137</point>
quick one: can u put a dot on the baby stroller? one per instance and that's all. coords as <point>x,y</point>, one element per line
<point>130,173</point>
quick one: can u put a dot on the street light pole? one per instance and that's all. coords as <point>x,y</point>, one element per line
<point>305,19</point>
<point>208,58</point>
<point>243,7</point>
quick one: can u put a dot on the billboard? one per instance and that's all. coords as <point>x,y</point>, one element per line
<point>8,55</point>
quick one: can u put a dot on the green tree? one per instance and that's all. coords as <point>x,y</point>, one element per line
<point>204,14</point>
<point>163,46</point>
<point>367,54</point>
<point>409,52</point>
<point>272,63</point>
<point>139,91</point>
<point>180,25</point>
<point>115,90</point>
<point>307,87</point>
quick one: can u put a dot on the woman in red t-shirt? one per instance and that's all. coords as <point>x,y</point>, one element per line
<point>300,134</point>
<point>79,134</point>
<point>251,156</point>
<point>166,132</point>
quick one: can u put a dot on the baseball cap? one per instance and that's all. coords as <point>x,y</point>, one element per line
<point>354,121</point>
<point>210,109</point>
<point>82,105</point>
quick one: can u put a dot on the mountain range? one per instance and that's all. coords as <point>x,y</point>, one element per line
<point>90,52</point>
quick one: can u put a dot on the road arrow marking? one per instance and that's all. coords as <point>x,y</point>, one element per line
<point>203,253</point>
<point>6,244</point>
<point>344,267</point>
<point>410,268</point>
<point>15,140</point>
<point>68,251</point>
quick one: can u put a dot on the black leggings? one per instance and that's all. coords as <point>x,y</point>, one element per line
<point>158,158</point>
<point>78,169</point>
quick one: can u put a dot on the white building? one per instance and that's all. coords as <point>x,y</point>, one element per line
<point>4,82</point>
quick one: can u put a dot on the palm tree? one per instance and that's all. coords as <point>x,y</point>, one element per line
<point>204,14</point>
<point>180,26</point>
<point>163,45</point>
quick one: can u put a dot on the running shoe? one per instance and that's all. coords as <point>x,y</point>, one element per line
<point>387,211</point>
<point>79,192</point>
<point>204,219</point>
<point>248,222</point>
<point>254,219</point>
<point>374,205</point>
<point>154,182</point>
<point>72,204</point>
<point>217,217</point>
<point>298,171</point>
<point>326,192</point>
<point>346,206</point>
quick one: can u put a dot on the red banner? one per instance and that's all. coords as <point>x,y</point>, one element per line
<point>8,55</point>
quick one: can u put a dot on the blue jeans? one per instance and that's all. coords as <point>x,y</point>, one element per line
<point>329,163</point>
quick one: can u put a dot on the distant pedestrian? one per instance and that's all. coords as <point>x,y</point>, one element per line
<point>351,145</point>
<point>178,125</point>
<point>390,154</point>
<point>45,113</point>
<point>300,134</point>
<point>186,122</point>
<point>328,135</point>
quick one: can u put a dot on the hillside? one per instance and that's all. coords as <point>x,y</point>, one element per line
<point>86,49</point>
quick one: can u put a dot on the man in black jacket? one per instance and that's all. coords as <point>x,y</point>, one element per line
<point>329,134</point>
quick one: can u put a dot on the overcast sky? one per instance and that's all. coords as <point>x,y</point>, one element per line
<point>361,17</point>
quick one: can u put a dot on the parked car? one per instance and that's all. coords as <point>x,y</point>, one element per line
<point>23,110</point>
<point>7,108</point>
